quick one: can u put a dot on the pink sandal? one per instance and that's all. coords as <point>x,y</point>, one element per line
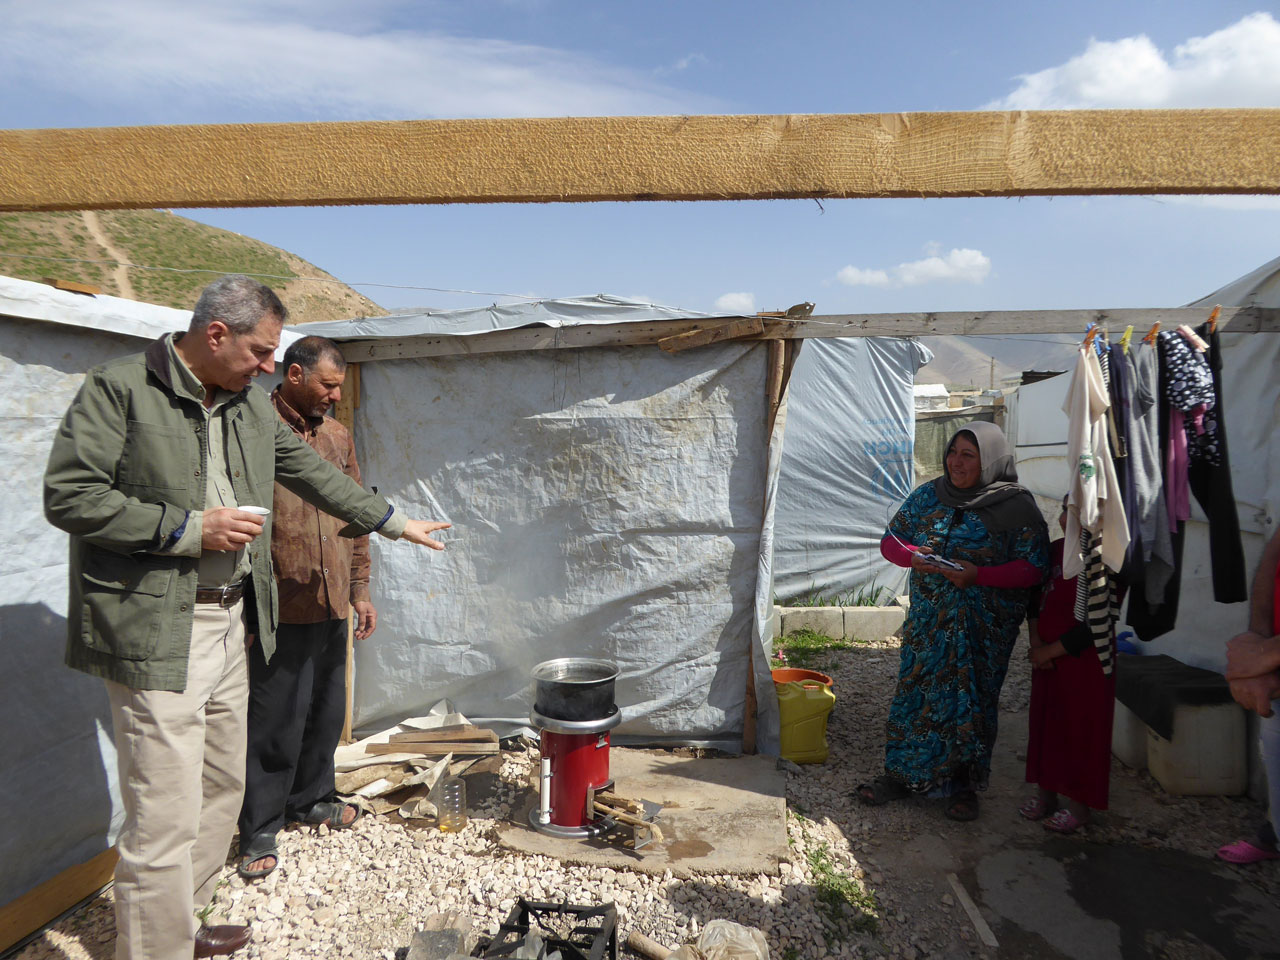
<point>1034,809</point>
<point>1064,821</point>
<point>1242,851</point>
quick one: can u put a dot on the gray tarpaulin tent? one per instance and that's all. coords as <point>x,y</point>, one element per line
<point>846,464</point>
<point>611,501</point>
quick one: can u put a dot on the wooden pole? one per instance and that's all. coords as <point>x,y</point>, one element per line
<point>344,411</point>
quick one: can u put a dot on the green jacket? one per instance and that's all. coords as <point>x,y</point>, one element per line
<point>127,465</point>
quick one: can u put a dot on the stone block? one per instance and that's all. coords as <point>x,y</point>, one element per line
<point>872,623</point>
<point>825,620</point>
<point>444,935</point>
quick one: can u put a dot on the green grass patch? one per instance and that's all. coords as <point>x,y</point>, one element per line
<point>868,595</point>
<point>806,648</point>
<point>836,890</point>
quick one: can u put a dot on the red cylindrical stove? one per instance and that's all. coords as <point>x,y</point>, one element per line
<point>574,752</point>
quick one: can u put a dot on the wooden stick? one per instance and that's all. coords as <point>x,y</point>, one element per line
<point>453,732</point>
<point>434,749</point>
<point>971,908</point>
<point>630,820</point>
<point>649,949</point>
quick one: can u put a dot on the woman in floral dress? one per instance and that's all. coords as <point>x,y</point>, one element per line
<point>963,622</point>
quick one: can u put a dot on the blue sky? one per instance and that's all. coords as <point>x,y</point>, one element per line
<point>131,62</point>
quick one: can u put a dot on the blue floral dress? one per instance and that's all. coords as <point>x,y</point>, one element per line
<point>955,648</point>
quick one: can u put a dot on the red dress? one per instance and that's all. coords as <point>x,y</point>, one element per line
<point>1072,706</point>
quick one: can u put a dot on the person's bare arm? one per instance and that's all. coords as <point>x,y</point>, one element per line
<point>1256,652</point>
<point>1262,596</point>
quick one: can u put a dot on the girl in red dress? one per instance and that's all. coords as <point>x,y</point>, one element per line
<point>1072,706</point>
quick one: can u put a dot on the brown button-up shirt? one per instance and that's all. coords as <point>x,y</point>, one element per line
<point>318,572</point>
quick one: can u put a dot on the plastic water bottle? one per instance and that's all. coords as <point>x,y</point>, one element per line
<point>451,805</point>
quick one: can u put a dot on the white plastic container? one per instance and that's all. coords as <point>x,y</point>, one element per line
<point>1129,738</point>
<point>1207,756</point>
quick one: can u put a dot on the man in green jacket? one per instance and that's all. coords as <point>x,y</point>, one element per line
<point>149,469</point>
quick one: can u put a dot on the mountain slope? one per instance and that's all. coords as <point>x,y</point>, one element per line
<point>88,246</point>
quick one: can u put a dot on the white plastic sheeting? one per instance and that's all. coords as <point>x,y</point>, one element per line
<point>846,464</point>
<point>57,759</point>
<point>567,312</point>
<point>39,301</point>
<point>606,502</point>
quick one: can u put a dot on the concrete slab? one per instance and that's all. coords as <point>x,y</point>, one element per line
<point>719,816</point>
<point>1085,901</point>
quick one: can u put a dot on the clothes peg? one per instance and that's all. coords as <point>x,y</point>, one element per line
<point>1090,333</point>
<point>1124,340</point>
<point>1151,334</point>
<point>1213,319</point>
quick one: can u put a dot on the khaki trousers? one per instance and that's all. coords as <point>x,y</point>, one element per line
<point>181,760</point>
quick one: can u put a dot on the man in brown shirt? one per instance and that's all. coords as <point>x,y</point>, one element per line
<point>297,701</point>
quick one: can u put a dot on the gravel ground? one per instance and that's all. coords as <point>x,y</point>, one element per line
<point>853,886</point>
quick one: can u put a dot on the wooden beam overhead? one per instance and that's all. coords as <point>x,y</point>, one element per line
<point>987,323</point>
<point>577,159</point>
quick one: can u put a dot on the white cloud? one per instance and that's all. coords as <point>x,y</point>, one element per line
<point>736,304</point>
<point>288,59</point>
<point>683,64</point>
<point>1237,66</point>
<point>960,265</point>
<point>1248,201</point>
<point>857,277</point>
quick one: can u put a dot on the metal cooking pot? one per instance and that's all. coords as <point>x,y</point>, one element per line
<point>574,688</point>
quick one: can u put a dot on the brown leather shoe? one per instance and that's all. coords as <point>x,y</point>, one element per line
<point>224,938</point>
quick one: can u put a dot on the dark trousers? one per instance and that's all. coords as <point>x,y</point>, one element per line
<point>297,704</point>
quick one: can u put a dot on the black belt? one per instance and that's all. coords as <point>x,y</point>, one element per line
<point>227,596</point>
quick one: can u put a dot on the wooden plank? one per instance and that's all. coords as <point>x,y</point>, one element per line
<point>715,332</point>
<point>349,678</point>
<point>55,896</point>
<point>452,733</point>
<point>575,159</point>
<point>435,749</point>
<point>982,323</point>
<point>72,286</point>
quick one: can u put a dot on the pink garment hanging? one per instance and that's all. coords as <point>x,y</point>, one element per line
<point>1177,486</point>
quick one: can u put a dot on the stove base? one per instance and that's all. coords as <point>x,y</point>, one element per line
<point>595,829</point>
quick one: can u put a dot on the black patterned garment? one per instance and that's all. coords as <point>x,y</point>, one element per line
<point>1188,384</point>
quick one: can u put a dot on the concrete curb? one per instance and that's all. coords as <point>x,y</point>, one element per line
<point>842,623</point>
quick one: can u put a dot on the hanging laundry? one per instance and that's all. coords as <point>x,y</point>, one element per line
<point>1094,499</point>
<point>1189,388</point>
<point>1097,534</point>
<point>1209,475</point>
<point>1183,387</point>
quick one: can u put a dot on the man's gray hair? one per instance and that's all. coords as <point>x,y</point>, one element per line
<point>238,301</point>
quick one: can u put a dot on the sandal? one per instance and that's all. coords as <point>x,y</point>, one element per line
<point>963,806</point>
<point>1064,822</point>
<point>880,791</point>
<point>1034,809</point>
<point>328,813</point>
<point>1242,851</point>
<point>258,849</point>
